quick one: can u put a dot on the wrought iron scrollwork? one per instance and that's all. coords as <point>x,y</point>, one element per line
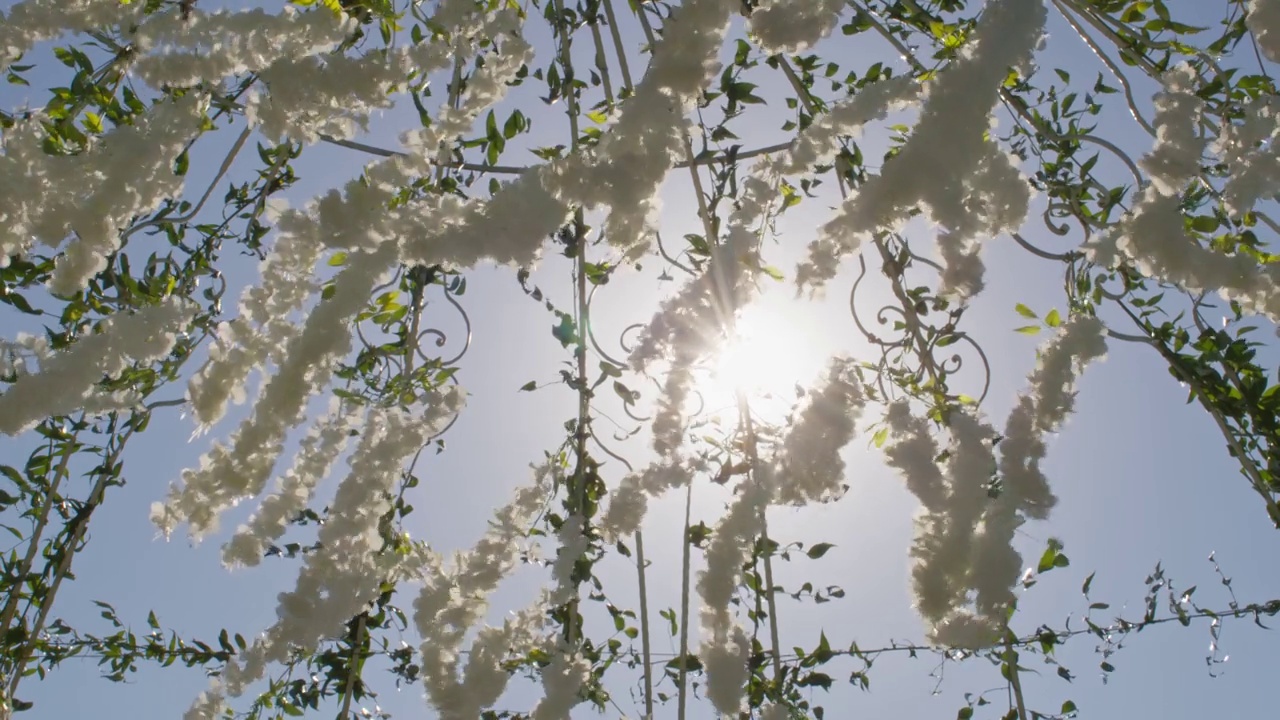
<point>909,342</point>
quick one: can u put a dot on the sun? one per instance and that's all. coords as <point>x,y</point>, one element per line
<point>765,358</point>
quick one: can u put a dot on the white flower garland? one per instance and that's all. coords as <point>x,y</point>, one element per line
<point>320,450</point>
<point>229,473</point>
<point>1154,237</point>
<point>1252,151</point>
<point>970,185</point>
<point>793,26</point>
<point>808,468</point>
<point>356,217</point>
<point>964,538</point>
<point>67,381</point>
<point>453,600</point>
<point>345,573</point>
<point>628,502</point>
<point>995,566</point>
<point>35,21</point>
<point>1263,21</point>
<point>185,50</point>
<point>634,157</point>
<point>126,172</point>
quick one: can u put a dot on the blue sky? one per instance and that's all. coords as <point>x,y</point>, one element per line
<point>1142,477</point>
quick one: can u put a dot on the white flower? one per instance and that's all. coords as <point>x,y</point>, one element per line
<point>34,21</point>
<point>912,451</point>
<point>126,172</point>
<point>1251,150</point>
<point>67,381</point>
<point>453,600</point>
<point>944,538</point>
<point>629,501</point>
<point>1155,238</point>
<point>970,186</point>
<point>809,467</point>
<point>794,25</point>
<point>966,631</point>
<point>320,449</point>
<point>1175,159</point>
<point>231,472</point>
<point>183,50</point>
<point>1263,21</point>
<point>561,681</point>
<point>573,546</point>
<point>725,648</point>
<point>634,157</point>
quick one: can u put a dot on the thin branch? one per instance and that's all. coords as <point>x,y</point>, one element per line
<point>644,627</point>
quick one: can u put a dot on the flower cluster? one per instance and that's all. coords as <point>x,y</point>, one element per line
<point>639,150</point>
<point>969,184</point>
<point>67,380</point>
<point>1154,235</point>
<point>1263,21</point>
<point>354,555</point>
<point>794,25</point>
<point>1251,151</point>
<point>628,502</point>
<point>177,51</point>
<point>455,599</point>
<point>320,450</point>
<point>92,195</point>
<point>240,468</point>
<point>807,468</point>
<point>964,536</point>
<point>34,21</point>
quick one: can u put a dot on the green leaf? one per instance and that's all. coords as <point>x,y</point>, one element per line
<point>18,302</point>
<point>491,127</point>
<point>1068,707</point>
<point>529,386</point>
<point>1028,329</point>
<point>565,331</point>
<point>1205,223</point>
<point>881,435</point>
<point>1053,319</point>
<point>773,272</point>
<point>1052,557</point>
<point>338,260</point>
<point>819,550</point>
<point>514,125</point>
<point>1025,311</point>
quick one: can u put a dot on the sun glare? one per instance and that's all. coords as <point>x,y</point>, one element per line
<point>766,358</point>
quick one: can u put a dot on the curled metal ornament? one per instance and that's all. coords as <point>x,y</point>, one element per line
<point>1072,207</point>
<point>626,346</point>
<point>607,450</point>
<point>591,333</point>
<point>675,263</point>
<point>442,339</point>
<point>909,344</point>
